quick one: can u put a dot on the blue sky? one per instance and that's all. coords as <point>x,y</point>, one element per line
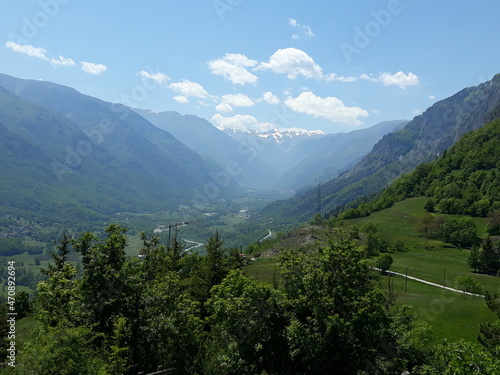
<point>327,65</point>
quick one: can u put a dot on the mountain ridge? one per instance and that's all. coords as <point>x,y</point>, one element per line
<point>422,139</point>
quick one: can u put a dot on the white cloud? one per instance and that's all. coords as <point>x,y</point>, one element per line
<point>330,108</point>
<point>234,100</point>
<point>189,89</point>
<point>292,62</point>
<point>399,79</point>
<point>233,67</point>
<point>367,77</point>
<point>270,98</point>
<point>28,49</point>
<point>237,121</point>
<point>159,78</point>
<point>305,29</point>
<point>224,107</point>
<point>237,100</point>
<point>181,99</point>
<point>416,112</point>
<point>432,97</point>
<point>62,61</point>
<point>334,77</point>
<point>93,68</point>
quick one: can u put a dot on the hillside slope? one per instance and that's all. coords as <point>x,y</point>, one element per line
<point>212,143</point>
<point>50,171</point>
<point>424,138</point>
<point>333,154</point>
<point>465,180</point>
<point>68,155</point>
<point>125,134</point>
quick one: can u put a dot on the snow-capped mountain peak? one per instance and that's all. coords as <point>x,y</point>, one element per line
<point>279,135</point>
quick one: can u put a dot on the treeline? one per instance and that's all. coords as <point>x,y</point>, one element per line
<point>464,180</point>
<point>203,315</point>
<point>460,232</point>
<point>14,246</point>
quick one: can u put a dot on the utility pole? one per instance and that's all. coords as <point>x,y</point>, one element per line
<point>406,279</point>
<point>175,225</point>
<point>318,199</point>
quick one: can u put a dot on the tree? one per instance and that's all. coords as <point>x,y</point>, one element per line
<point>102,281</point>
<point>459,358</point>
<point>430,205</point>
<point>486,258</point>
<point>337,320</point>
<point>490,259</point>
<point>459,232</point>
<point>475,258</point>
<point>24,304</point>
<point>493,225</point>
<point>212,270</point>
<point>384,262</point>
<point>59,298</point>
<point>489,333</point>
<point>4,332</point>
<point>429,225</point>
<point>61,350</point>
<point>369,227</point>
<point>247,334</point>
<point>468,284</point>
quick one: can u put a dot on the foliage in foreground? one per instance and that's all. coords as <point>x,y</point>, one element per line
<point>202,315</point>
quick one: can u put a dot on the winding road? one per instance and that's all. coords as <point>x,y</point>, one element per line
<point>197,244</point>
<point>266,237</point>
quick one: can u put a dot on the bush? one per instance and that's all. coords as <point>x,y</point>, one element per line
<point>384,262</point>
<point>468,284</point>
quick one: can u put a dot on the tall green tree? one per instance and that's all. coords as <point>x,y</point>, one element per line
<point>489,334</point>
<point>212,270</point>
<point>337,319</point>
<point>247,328</point>
<point>102,282</point>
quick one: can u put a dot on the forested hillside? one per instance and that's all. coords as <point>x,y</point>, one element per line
<point>464,180</point>
<point>73,159</point>
<point>424,138</point>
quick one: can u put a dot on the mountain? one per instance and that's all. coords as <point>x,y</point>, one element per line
<point>422,139</point>
<point>275,146</point>
<point>332,154</point>
<point>63,149</point>
<point>241,160</point>
<point>465,180</point>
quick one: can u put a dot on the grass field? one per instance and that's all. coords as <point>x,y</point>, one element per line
<point>451,315</point>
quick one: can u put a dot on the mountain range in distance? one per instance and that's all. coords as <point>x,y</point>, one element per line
<point>65,152</point>
<point>69,157</point>
<point>277,159</point>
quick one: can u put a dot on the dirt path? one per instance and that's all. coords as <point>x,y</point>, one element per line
<point>433,284</point>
